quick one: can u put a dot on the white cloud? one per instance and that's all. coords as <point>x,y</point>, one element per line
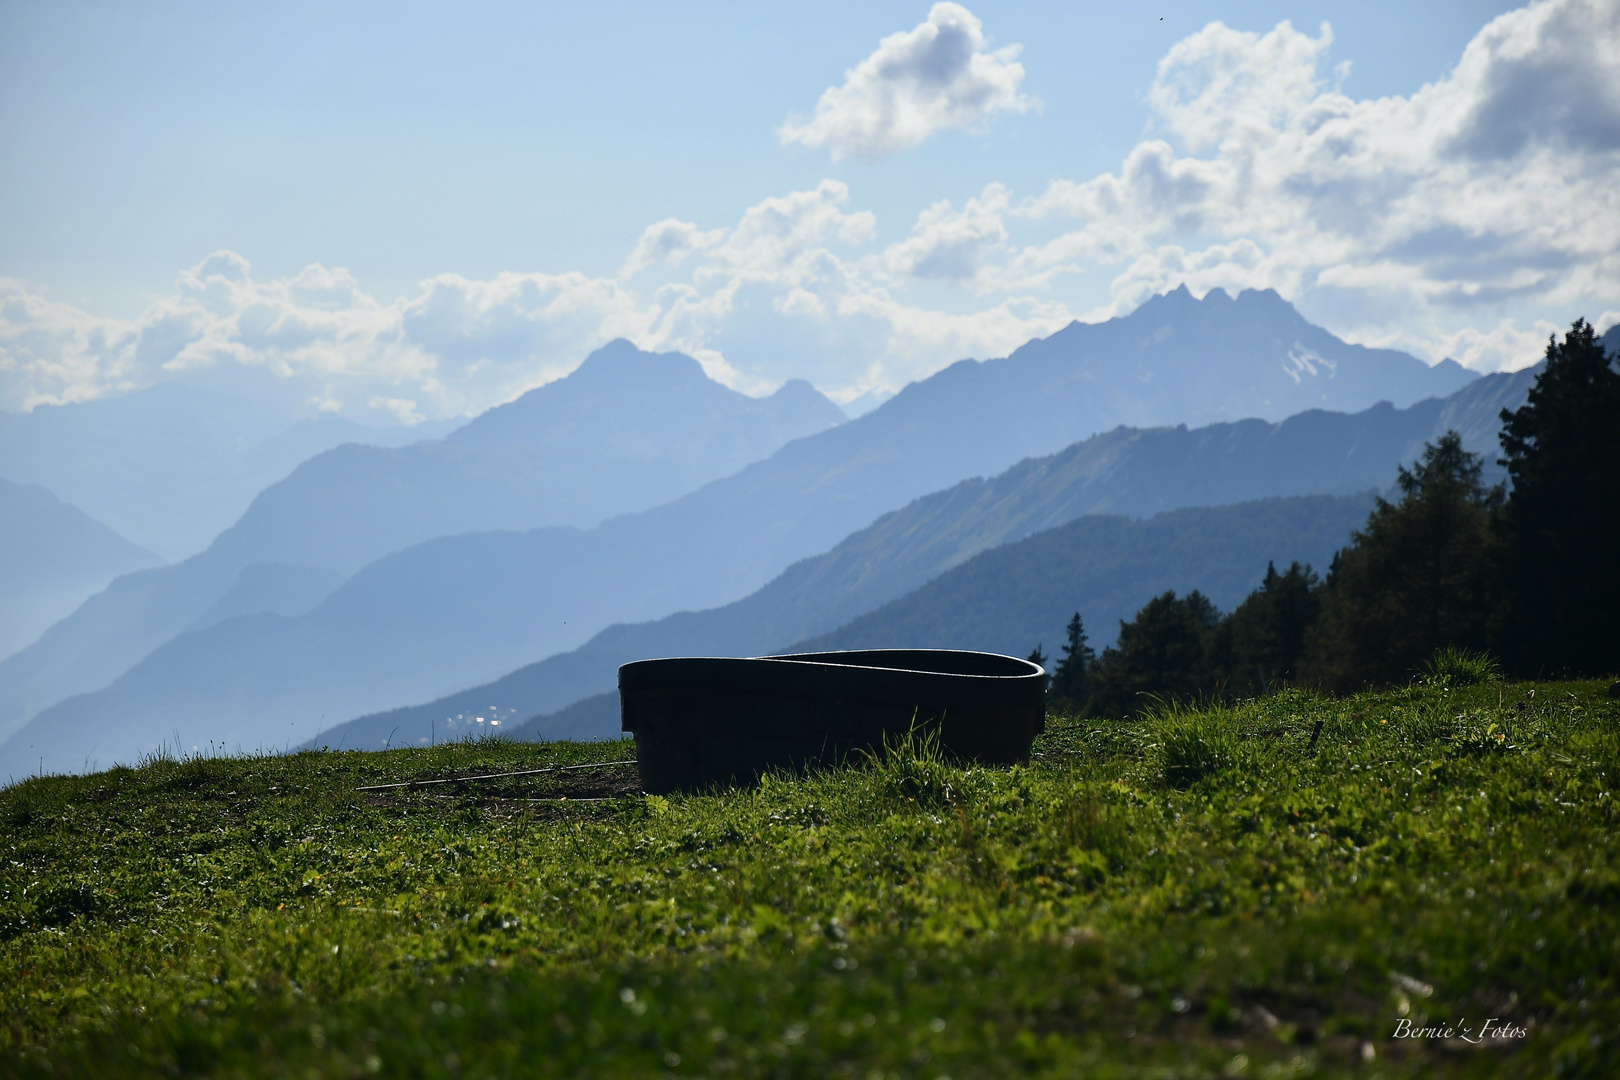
<point>951,244</point>
<point>940,74</point>
<point>459,345</point>
<point>668,242</point>
<point>1234,267</point>
<point>1503,346</point>
<point>51,352</point>
<point>403,410</point>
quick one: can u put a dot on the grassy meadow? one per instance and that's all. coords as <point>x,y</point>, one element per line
<point>1268,889</point>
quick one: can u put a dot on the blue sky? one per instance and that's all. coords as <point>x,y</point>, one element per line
<point>397,211</point>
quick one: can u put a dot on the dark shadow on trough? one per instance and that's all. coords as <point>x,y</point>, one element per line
<point>702,722</point>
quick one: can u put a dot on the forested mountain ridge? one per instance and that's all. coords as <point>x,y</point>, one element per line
<point>1014,597</point>
<point>1452,580</point>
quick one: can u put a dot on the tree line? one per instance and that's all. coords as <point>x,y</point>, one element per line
<point>1523,575</point>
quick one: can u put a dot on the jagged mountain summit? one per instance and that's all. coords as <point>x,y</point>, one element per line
<point>458,611</point>
<point>1177,359</point>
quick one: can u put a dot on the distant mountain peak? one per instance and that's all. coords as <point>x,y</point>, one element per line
<point>621,357</point>
<point>795,389</point>
<point>1264,296</point>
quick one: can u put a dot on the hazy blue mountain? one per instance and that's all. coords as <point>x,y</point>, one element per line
<point>595,718</point>
<point>1181,360</point>
<point>1125,471</point>
<point>168,467</point>
<point>52,557</point>
<point>1011,598</point>
<point>626,430</point>
<point>460,611</point>
<point>270,587</point>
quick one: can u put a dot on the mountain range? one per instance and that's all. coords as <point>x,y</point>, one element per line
<point>625,431</point>
<point>458,610</point>
<point>1126,471</point>
<point>1014,598</point>
<point>632,424</point>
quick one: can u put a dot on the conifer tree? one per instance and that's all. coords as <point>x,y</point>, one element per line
<point>1263,641</point>
<point>1039,658</point>
<point>1418,577</point>
<point>1167,652</point>
<point>1071,683</point>
<point>1561,524</point>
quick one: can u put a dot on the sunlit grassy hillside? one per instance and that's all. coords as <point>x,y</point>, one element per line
<point>1265,890</point>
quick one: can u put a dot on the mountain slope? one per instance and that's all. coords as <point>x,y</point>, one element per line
<point>1011,598</point>
<point>459,611</point>
<point>1125,471</point>
<point>1014,597</point>
<point>625,431</point>
<point>625,426</point>
<point>52,557</point>
<point>168,467</point>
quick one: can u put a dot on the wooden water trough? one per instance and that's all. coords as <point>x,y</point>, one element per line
<point>702,722</point>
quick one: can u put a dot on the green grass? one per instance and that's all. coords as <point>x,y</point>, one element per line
<point>1259,890</point>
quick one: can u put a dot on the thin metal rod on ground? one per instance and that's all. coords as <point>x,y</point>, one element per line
<point>609,798</point>
<point>494,776</point>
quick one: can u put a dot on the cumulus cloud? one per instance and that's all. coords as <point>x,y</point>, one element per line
<point>940,74</point>
<point>778,233</point>
<point>459,345</point>
<point>951,244</point>
<point>52,352</point>
<point>669,242</point>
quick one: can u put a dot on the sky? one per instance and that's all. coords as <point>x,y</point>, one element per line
<point>406,211</point>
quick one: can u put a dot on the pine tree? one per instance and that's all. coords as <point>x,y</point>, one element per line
<point>1263,641</point>
<point>1071,683</point>
<point>1038,658</point>
<point>1561,525</point>
<point>1418,577</point>
<point>1166,652</point>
